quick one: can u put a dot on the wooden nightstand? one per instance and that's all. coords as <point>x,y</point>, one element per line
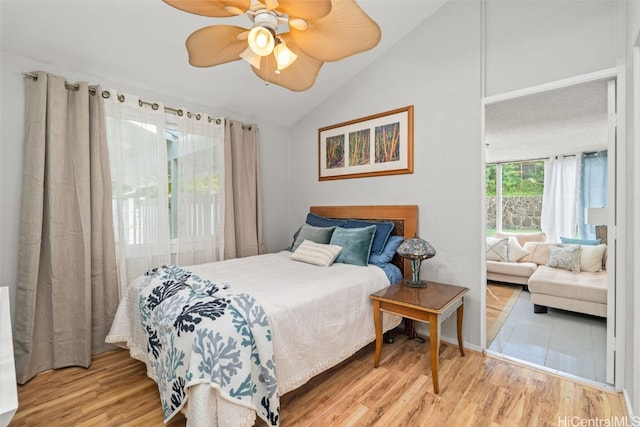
<point>432,304</point>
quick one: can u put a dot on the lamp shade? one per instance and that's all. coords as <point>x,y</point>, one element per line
<point>416,249</point>
<point>251,57</point>
<point>284,56</point>
<point>597,216</point>
<point>261,41</point>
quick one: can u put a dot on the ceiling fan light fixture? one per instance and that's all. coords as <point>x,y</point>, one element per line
<point>318,31</point>
<point>298,24</point>
<point>251,57</point>
<point>284,56</point>
<point>261,40</point>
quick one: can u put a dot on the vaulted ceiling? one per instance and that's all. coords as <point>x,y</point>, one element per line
<point>142,44</point>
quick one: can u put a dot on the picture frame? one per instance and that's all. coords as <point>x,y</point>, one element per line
<point>376,145</point>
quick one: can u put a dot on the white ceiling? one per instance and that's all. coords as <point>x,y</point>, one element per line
<point>569,120</point>
<point>141,43</point>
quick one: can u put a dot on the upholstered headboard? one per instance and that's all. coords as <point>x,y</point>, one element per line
<point>404,218</point>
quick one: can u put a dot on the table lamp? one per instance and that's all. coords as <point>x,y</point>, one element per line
<point>599,218</point>
<point>415,250</point>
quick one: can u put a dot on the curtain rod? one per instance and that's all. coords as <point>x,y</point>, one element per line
<point>531,160</point>
<point>154,105</point>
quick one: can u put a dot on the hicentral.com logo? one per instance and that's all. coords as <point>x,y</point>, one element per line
<point>617,421</point>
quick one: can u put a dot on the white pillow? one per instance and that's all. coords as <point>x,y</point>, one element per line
<point>497,249</point>
<point>316,253</point>
<point>514,251</point>
<point>591,257</point>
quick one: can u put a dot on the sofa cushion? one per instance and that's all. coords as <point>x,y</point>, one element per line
<point>524,269</point>
<point>497,249</point>
<point>585,286</point>
<point>524,237</point>
<point>538,252</point>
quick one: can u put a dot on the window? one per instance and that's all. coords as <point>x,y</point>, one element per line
<point>168,186</point>
<point>194,176</point>
<point>514,196</point>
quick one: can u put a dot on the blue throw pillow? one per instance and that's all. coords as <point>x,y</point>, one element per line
<point>588,242</point>
<point>383,230</point>
<point>320,221</point>
<point>385,257</point>
<point>315,234</point>
<point>355,242</point>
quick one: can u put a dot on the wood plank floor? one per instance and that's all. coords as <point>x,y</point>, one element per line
<point>474,391</point>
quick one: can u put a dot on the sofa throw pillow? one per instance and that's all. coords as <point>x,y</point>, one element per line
<point>538,252</point>
<point>591,258</point>
<point>316,253</point>
<point>497,249</point>
<point>315,234</point>
<point>515,252</point>
<point>524,237</point>
<point>355,242</point>
<point>584,242</point>
<point>565,257</point>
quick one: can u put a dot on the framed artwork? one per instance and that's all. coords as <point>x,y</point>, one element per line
<point>381,144</point>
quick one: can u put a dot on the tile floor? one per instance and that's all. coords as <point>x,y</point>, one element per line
<point>561,340</point>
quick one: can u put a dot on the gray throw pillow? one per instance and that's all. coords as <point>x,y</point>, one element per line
<point>315,234</point>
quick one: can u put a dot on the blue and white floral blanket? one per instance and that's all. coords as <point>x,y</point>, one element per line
<point>200,332</point>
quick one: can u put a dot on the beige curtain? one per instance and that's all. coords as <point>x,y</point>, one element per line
<point>243,209</point>
<point>67,289</point>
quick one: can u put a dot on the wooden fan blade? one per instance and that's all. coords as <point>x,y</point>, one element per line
<point>306,9</point>
<point>215,45</point>
<point>299,76</point>
<point>217,8</point>
<point>345,31</point>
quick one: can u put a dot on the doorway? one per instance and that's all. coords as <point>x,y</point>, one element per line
<point>568,118</point>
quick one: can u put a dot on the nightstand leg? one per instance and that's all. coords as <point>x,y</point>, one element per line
<point>434,338</point>
<point>377,321</point>
<point>459,315</point>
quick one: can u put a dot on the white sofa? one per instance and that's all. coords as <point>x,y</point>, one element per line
<point>582,292</point>
<point>517,271</point>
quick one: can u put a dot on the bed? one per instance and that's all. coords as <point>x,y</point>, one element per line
<point>317,318</point>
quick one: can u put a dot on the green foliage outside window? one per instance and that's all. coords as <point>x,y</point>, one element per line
<point>518,179</point>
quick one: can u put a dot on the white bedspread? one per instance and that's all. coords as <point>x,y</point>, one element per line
<point>319,316</point>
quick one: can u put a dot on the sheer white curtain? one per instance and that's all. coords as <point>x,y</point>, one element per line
<point>138,155</point>
<point>560,197</point>
<point>197,169</point>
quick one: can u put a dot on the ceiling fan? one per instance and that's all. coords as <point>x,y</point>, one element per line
<point>288,40</point>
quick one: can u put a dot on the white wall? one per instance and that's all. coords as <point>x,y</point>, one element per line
<point>632,274</point>
<point>436,68</point>
<point>531,42</point>
<point>274,157</point>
